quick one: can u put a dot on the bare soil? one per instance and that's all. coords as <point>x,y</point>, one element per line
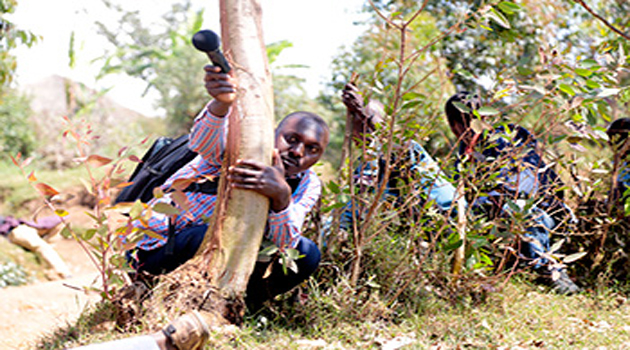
<point>31,311</point>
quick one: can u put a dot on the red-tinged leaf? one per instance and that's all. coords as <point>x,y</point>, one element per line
<point>27,161</point>
<point>144,140</point>
<point>210,177</point>
<point>181,184</point>
<point>134,158</point>
<point>98,161</point>
<point>31,177</point>
<point>16,160</point>
<point>74,135</point>
<point>158,192</point>
<point>45,189</point>
<point>65,134</point>
<point>124,184</point>
<point>122,207</point>
<point>122,150</point>
<point>105,201</point>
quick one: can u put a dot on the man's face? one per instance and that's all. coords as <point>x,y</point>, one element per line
<point>301,143</point>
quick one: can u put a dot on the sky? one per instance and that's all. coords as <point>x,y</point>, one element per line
<point>316,28</point>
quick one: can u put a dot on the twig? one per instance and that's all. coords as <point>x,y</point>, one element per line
<point>603,20</point>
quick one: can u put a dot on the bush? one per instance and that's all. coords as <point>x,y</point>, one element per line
<point>16,134</point>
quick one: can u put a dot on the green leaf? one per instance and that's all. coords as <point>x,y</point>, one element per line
<point>268,250</point>
<point>452,246</point>
<point>509,7</point>
<point>593,84</point>
<point>88,234</point>
<point>486,110</point>
<point>462,107</point>
<point>165,208</point>
<point>498,18</point>
<point>65,232</point>
<point>412,96</point>
<point>523,70</point>
<point>556,246</point>
<point>608,92</point>
<point>333,187</point>
<point>573,257</point>
<point>479,126</point>
<point>583,72</point>
<point>464,73</point>
<point>589,64</point>
<point>136,209</point>
<point>567,89</point>
<point>411,104</point>
<point>293,254</point>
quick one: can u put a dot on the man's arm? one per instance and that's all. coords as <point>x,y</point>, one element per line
<point>285,227</point>
<point>207,136</point>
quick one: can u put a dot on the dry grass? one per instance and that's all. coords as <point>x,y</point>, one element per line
<point>521,316</point>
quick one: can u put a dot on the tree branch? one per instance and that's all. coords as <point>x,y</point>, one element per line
<point>613,28</point>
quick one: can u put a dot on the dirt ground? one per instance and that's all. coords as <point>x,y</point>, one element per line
<point>28,312</point>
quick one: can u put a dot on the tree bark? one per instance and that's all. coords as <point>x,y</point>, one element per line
<point>242,215</point>
<point>215,280</point>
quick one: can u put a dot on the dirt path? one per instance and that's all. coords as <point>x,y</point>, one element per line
<point>29,312</point>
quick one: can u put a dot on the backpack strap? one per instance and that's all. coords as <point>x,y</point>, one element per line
<point>207,187</point>
<point>169,247</point>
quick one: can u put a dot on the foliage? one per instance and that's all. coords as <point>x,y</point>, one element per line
<point>565,95</point>
<point>520,317</point>
<point>394,271</point>
<point>16,135</point>
<point>165,60</point>
<point>10,38</point>
<point>111,233</point>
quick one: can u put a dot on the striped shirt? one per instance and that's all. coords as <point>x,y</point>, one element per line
<point>207,138</point>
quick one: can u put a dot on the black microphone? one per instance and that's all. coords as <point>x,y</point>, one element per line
<point>209,42</point>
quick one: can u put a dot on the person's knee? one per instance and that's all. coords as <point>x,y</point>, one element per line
<point>310,256</point>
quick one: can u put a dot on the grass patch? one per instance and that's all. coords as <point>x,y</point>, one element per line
<point>15,189</point>
<point>519,316</point>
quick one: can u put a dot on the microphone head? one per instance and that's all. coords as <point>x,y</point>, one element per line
<point>206,41</point>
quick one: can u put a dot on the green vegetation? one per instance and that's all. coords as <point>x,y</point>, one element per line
<point>554,68</point>
<point>518,316</point>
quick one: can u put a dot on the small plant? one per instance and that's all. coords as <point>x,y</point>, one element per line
<point>111,233</point>
<point>12,274</point>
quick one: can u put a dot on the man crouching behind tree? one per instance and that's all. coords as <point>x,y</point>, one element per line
<point>289,183</point>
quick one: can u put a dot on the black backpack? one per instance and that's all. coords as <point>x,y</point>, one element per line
<point>162,160</point>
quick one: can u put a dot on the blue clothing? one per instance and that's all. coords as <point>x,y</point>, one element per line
<point>521,174</point>
<point>259,289</point>
<point>623,184</point>
<point>418,166</point>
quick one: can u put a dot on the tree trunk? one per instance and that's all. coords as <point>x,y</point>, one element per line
<point>242,215</point>
<point>215,280</point>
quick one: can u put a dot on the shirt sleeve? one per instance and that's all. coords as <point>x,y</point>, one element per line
<point>208,135</point>
<point>431,178</point>
<point>285,226</point>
